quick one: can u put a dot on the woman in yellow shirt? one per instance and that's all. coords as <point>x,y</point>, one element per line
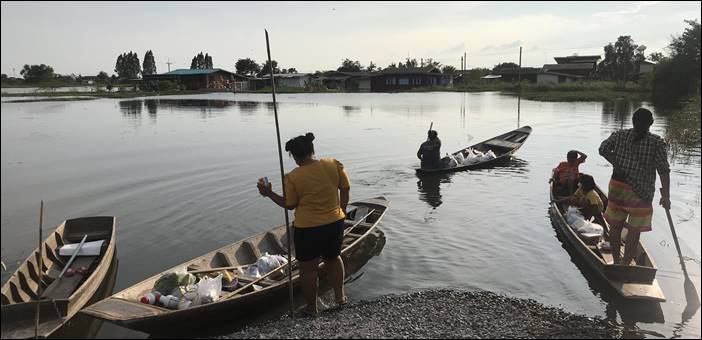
<point>318,190</point>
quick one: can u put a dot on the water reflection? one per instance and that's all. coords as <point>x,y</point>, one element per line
<point>618,112</point>
<point>131,108</point>
<point>429,188</point>
<point>630,312</point>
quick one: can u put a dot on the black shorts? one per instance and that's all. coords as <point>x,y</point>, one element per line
<point>324,241</point>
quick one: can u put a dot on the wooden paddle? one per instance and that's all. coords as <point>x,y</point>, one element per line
<point>690,290</point>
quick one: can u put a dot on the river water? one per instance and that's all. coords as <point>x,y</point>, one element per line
<point>179,173</point>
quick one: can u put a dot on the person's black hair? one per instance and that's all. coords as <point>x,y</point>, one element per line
<point>587,182</point>
<point>642,117</point>
<point>572,155</point>
<point>301,146</point>
<point>432,134</point>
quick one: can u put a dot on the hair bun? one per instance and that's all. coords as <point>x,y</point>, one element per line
<point>310,137</point>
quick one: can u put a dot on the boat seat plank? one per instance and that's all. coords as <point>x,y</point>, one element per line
<point>62,289</point>
<point>502,144</point>
<point>354,235</point>
<point>120,309</point>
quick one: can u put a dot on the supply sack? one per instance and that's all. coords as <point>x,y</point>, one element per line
<point>452,161</point>
<point>489,155</point>
<point>208,290</point>
<point>268,263</point>
<point>460,158</point>
<point>590,229</point>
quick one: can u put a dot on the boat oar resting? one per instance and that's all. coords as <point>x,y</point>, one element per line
<point>251,293</point>
<point>58,298</point>
<point>492,152</point>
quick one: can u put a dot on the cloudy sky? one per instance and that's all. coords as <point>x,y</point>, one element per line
<point>85,38</point>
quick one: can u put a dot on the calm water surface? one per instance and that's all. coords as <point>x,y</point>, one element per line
<point>179,173</point>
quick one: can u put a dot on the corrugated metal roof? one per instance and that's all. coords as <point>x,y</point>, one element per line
<point>574,66</point>
<point>189,72</point>
<point>491,76</point>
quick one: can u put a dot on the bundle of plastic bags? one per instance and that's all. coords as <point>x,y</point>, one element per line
<point>265,264</point>
<point>580,224</point>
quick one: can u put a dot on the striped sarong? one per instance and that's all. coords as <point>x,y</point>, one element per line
<point>625,208</point>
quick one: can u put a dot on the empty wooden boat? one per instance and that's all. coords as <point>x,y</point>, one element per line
<point>504,146</point>
<point>125,309</point>
<point>635,281</point>
<point>62,298</point>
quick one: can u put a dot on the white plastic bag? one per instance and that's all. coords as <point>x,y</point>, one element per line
<point>452,161</point>
<point>88,249</point>
<point>268,263</point>
<point>460,158</point>
<point>489,155</point>
<point>590,228</point>
<point>208,290</point>
<point>573,217</point>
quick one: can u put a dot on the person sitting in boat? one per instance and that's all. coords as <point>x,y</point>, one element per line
<point>566,174</point>
<point>430,151</point>
<point>318,190</point>
<point>586,199</point>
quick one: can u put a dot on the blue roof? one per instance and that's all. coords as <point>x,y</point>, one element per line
<point>188,72</point>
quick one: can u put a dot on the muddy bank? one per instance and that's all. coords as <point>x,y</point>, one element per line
<point>437,314</point>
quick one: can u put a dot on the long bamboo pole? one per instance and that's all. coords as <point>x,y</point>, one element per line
<point>40,269</point>
<point>282,173</point>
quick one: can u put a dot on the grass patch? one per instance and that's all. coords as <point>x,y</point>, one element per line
<point>70,99</point>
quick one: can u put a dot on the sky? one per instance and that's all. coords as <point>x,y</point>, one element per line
<point>86,37</point>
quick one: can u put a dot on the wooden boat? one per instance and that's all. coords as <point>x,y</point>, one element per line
<point>61,298</point>
<point>636,281</point>
<point>125,309</point>
<point>504,146</point>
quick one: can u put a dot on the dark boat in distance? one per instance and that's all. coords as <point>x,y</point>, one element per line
<point>504,146</point>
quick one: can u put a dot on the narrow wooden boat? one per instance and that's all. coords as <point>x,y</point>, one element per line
<point>504,146</point>
<point>61,298</point>
<point>125,309</point>
<point>634,281</point>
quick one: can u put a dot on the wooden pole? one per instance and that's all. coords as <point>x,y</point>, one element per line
<point>40,269</point>
<point>282,174</point>
<point>519,77</point>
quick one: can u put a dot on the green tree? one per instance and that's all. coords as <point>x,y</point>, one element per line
<point>149,63</point>
<point>620,59</point>
<point>247,67</point>
<point>348,65</point>
<point>37,73</point>
<point>371,67</point>
<point>102,77</point>
<point>128,66</point>
<point>292,70</point>
<point>201,62</point>
<point>208,61</point>
<point>500,66</point>
<point>432,62</point>
<point>448,69</point>
<point>266,69</point>
<point>679,75</point>
<point>686,48</point>
<point>410,63</point>
<point>656,56</point>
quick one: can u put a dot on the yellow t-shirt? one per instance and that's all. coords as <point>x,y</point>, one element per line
<point>314,191</point>
<point>592,198</point>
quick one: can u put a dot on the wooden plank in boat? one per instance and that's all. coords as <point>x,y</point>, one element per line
<point>502,144</point>
<point>62,289</point>
<point>640,291</point>
<point>117,309</point>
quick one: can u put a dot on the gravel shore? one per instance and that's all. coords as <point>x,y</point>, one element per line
<point>437,314</point>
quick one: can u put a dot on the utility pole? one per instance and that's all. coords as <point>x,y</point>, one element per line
<point>465,60</point>
<point>461,64</point>
<point>519,75</point>
<point>169,64</point>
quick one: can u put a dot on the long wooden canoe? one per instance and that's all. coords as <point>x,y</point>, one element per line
<point>634,281</point>
<point>504,146</point>
<point>60,299</point>
<point>124,308</point>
